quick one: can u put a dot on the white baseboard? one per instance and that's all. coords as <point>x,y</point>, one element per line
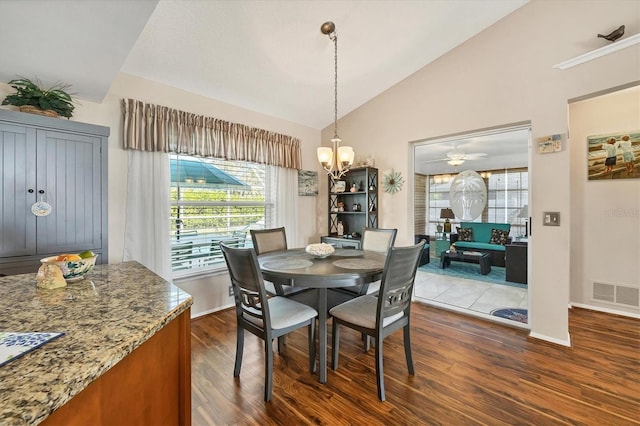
<point>539,336</point>
<point>605,310</point>
<point>210,311</point>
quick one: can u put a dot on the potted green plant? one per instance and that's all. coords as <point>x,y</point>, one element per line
<point>30,97</point>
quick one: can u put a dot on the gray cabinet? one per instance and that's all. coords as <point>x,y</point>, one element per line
<point>63,163</point>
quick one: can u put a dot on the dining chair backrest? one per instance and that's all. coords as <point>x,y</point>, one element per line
<point>378,239</point>
<point>267,240</point>
<point>397,283</point>
<point>248,286</point>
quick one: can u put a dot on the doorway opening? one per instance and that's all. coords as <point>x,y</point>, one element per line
<point>480,181</point>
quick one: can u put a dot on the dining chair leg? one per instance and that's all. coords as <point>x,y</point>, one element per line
<point>268,369</point>
<point>367,342</point>
<point>379,369</point>
<point>281,343</point>
<point>312,346</point>
<point>239,350</point>
<point>407,349</point>
<point>335,345</point>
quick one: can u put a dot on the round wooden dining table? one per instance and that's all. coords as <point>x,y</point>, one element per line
<point>343,268</point>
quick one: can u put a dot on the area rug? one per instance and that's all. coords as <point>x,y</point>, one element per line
<point>470,271</point>
<point>513,314</point>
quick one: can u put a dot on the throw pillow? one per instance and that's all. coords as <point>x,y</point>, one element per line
<point>498,236</point>
<point>465,234</point>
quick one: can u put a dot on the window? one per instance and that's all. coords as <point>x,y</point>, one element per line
<point>215,201</point>
<point>507,193</point>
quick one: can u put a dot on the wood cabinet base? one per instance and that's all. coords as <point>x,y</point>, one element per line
<point>151,386</point>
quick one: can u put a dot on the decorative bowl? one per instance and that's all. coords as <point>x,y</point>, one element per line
<point>72,270</point>
<point>320,250</point>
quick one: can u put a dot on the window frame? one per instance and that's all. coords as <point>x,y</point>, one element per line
<point>200,252</point>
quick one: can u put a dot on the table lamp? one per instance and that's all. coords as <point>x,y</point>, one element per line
<point>447,214</point>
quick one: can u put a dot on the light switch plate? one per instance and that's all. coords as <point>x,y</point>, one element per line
<point>551,219</point>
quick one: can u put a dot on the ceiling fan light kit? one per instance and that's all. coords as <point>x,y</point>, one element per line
<point>455,162</point>
<point>458,157</point>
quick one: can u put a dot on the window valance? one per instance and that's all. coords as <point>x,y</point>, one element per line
<point>149,127</point>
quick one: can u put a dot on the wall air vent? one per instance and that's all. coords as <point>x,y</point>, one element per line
<point>617,294</point>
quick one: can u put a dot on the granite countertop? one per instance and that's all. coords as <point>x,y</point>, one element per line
<point>104,318</point>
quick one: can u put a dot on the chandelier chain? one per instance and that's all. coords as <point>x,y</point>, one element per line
<point>335,86</point>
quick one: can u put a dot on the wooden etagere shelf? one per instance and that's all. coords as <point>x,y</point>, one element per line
<point>355,209</point>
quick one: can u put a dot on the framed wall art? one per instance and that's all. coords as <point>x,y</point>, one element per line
<point>614,155</point>
<point>307,183</point>
<point>547,144</point>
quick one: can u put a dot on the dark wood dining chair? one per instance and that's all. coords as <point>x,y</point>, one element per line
<point>374,239</point>
<point>268,240</point>
<point>380,316</point>
<point>267,317</point>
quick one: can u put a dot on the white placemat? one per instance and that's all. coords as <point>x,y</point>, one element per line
<point>347,253</point>
<point>358,264</point>
<point>288,263</point>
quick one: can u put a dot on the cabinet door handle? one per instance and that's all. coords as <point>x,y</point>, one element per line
<point>30,191</point>
<point>41,191</point>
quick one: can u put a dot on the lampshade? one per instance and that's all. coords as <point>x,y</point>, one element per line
<point>447,214</point>
<point>325,156</point>
<point>524,212</point>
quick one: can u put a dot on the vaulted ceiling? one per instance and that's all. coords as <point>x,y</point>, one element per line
<point>267,56</point>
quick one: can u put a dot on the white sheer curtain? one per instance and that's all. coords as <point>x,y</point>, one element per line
<point>147,227</point>
<point>286,203</point>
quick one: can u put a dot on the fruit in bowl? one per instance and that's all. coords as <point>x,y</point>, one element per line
<point>73,266</point>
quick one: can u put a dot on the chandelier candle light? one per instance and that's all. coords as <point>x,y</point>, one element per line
<point>335,161</point>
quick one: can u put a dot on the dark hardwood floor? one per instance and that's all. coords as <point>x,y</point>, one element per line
<point>468,371</point>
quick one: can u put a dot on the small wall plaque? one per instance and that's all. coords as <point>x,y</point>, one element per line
<point>548,144</point>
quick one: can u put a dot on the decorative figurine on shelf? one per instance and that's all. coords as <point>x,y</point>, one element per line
<point>614,35</point>
<point>353,188</point>
<point>360,187</point>
<point>372,187</point>
<point>340,206</point>
<point>356,207</point>
<point>340,229</point>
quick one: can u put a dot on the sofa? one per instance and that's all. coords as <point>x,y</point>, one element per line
<point>477,236</point>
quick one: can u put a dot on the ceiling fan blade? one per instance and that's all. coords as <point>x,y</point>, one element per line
<point>475,156</point>
<point>436,160</point>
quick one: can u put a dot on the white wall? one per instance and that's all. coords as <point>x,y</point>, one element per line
<point>504,75</point>
<point>605,213</point>
<point>209,292</point>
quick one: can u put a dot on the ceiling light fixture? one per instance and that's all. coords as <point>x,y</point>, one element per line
<point>335,161</point>
<point>455,161</point>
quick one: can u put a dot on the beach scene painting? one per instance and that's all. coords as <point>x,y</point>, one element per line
<point>307,182</point>
<point>614,156</point>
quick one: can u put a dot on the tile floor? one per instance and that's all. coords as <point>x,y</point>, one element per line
<point>469,296</point>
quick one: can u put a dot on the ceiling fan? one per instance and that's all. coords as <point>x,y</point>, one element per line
<point>457,157</point>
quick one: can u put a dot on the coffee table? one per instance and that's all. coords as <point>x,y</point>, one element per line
<point>483,259</point>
